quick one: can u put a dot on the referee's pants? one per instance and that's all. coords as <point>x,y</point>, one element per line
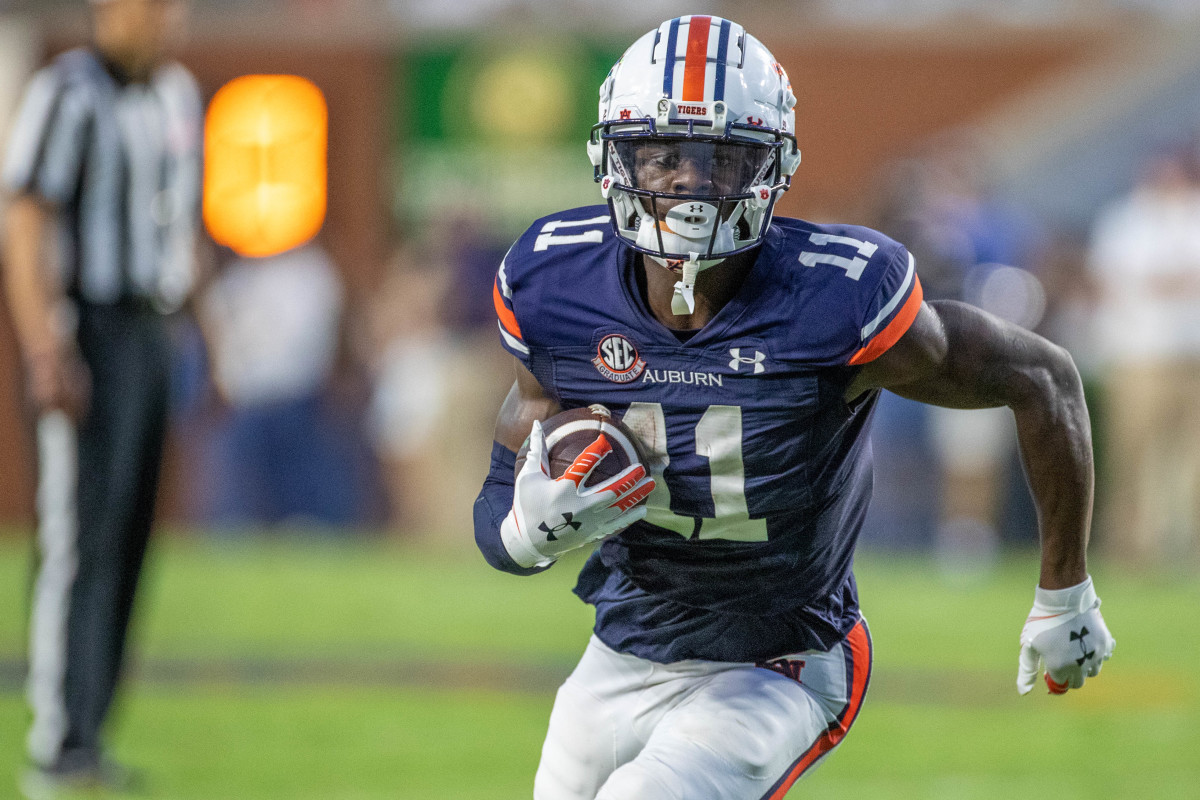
<point>95,499</point>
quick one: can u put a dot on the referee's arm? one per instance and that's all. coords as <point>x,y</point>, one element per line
<point>41,169</point>
<point>55,373</point>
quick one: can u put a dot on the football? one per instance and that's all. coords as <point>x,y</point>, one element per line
<point>569,433</point>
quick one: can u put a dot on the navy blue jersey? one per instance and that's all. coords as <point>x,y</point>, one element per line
<point>763,471</point>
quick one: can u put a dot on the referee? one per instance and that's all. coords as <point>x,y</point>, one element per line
<point>103,176</point>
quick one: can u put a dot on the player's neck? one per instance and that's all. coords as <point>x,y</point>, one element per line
<point>715,287</point>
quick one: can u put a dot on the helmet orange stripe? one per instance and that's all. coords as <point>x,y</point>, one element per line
<point>697,59</point>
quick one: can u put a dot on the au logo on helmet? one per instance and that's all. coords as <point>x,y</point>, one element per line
<point>617,359</point>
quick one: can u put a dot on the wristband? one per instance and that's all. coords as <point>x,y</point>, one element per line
<point>491,507</point>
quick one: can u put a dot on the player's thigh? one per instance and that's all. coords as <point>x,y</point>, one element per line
<point>750,732</point>
<point>732,740</point>
<point>591,727</point>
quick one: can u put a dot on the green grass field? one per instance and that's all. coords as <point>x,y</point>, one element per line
<point>292,668</point>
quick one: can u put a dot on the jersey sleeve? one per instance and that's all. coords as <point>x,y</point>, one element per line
<point>506,315</point>
<point>891,309</point>
<point>45,147</point>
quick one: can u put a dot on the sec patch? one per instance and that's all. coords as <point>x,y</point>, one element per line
<point>617,359</point>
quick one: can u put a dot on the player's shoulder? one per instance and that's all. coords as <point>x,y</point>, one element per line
<point>551,273</point>
<point>571,227</point>
<point>862,254</point>
<point>836,286</point>
<point>560,242</point>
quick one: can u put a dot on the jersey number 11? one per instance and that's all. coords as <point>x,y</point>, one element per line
<point>718,439</point>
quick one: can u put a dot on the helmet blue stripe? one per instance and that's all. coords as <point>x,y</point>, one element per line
<point>722,55</point>
<point>669,66</point>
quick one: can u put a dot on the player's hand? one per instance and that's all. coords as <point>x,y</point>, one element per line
<point>1066,634</point>
<point>550,516</point>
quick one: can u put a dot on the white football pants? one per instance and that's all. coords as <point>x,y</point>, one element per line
<point>624,728</point>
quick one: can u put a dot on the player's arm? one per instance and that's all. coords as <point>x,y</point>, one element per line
<point>56,376</point>
<point>957,356</point>
<point>525,403</point>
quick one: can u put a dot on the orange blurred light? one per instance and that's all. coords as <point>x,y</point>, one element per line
<point>264,165</point>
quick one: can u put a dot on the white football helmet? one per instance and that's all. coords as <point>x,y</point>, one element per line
<point>701,90</point>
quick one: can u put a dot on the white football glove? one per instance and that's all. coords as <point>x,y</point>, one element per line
<point>1066,633</point>
<point>551,516</point>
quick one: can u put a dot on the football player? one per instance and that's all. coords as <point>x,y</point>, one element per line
<point>729,654</point>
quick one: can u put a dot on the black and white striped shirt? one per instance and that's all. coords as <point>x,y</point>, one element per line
<point>121,161</point>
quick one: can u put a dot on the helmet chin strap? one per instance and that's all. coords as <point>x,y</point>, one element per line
<point>651,234</point>
<point>684,300</point>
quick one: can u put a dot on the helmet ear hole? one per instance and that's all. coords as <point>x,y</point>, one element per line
<point>595,151</point>
<point>789,162</point>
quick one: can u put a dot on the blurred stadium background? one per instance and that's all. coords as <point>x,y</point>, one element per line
<point>318,625</point>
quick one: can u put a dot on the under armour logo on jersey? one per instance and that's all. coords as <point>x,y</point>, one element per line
<point>737,359</point>
<point>568,522</point>
<point>1079,637</point>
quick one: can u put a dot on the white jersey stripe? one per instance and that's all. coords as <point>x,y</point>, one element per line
<point>179,205</point>
<point>139,118</point>
<point>512,341</point>
<point>504,290</point>
<point>56,176</point>
<point>870,327</point>
<point>25,140</point>
<point>57,538</point>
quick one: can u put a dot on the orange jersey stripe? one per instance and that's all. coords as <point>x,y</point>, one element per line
<point>697,59</point>
<point>860,648</point>
<point>895,329</point>
<point>507,318</point>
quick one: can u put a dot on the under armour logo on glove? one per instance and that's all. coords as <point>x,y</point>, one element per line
<point>1079,637</point>
<point>568,522</point>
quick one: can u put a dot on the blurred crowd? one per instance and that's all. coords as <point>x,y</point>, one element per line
<point>301,401</point>
<point>1123,297</point>
<point>310,408</point>
<point>301,407</point>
